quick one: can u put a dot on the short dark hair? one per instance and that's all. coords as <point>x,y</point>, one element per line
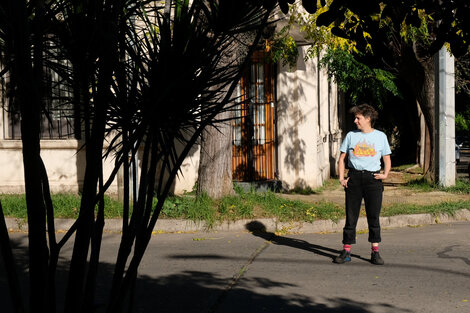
<point>365,110</point>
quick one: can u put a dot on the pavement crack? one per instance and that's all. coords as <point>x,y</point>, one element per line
<point>236,278</point>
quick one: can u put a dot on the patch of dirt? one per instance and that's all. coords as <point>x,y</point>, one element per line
<point>400,178</point>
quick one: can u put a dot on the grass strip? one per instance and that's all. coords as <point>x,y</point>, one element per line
<point>423,185</point>
<point>435,209</point>
<point>65,206</point>
<point>243,205</point>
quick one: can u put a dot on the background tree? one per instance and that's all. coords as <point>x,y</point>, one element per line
<point>358,82</point>
<point>403,37</point>
<point>462,93</point>
<point>215,163</point>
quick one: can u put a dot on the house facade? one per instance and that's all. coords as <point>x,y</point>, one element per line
<point>287,127</point>
<point>286,131</point>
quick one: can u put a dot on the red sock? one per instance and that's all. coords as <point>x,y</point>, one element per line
<point>375,248</point>
<point>347,248</point>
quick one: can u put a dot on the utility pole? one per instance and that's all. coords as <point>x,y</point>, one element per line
<point>445,115</point>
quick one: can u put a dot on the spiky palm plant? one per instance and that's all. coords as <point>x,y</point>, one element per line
<point>148,76</point>
<point>184,64</point>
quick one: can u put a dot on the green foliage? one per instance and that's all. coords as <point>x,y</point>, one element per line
<point>14,205</point>
<point>418,33</point>
<point>190,207</point>
<point>358,80</point>
<point>462,122</point>
<point>329,184</point>
<point>461,187</point>
<point>201,209</point>
<point>462,93</point>
<point>246,205</point>
<point>462,75</point>
<point>423,185</point>
<point>315,34</point>
<point>271,205</point>
<point>234,207</point>
<point>299,211</point>
<point>427,24</point>
<point>303,191</point>
<point>284,49</point>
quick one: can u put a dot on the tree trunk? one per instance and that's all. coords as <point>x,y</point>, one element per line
<point>28,76</point>
<point>215,165</point>
<point>427,149</point>
<point>419,74</point>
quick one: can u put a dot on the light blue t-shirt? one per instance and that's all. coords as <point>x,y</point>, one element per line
<point>365,150</point>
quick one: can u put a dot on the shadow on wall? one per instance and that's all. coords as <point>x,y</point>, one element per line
<point>333,161</point>
<point>195,291</point>
<point>295,147</point>
<point>299,183</point>
<point>179,147</point>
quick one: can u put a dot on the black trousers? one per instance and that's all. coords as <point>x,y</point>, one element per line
<point>363,185</point>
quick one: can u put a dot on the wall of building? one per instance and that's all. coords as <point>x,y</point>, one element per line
<point>65,166</point>
<point>64,161</point>
<point>308,127</point>
<point>308,135</point>
<point>186,180</point>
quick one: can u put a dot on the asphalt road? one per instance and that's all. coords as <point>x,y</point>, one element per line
<point>427,269</point>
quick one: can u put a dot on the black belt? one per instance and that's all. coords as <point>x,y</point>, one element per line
<point>352,170</point>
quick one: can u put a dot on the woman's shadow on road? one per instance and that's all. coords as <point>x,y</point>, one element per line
<point>259,229</point>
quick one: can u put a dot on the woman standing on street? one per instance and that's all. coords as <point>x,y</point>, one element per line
<point>364,148</point>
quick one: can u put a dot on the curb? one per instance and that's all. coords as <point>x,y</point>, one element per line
<point>270,224</point>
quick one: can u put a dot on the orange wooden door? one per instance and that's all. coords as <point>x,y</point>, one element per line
<point>253,127</point>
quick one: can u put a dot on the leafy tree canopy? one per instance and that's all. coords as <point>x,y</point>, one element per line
<point>359,81</point>
<point>462,93</point>
<point>372,24</point>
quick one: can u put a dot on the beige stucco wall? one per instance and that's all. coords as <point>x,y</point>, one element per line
<point>188,176</point>
<point>65,166</point>
<point>308,127</point>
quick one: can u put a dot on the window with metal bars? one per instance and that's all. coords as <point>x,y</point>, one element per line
<point>58,116</point>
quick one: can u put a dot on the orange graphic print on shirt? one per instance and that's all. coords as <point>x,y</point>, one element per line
<point>364,149</point>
